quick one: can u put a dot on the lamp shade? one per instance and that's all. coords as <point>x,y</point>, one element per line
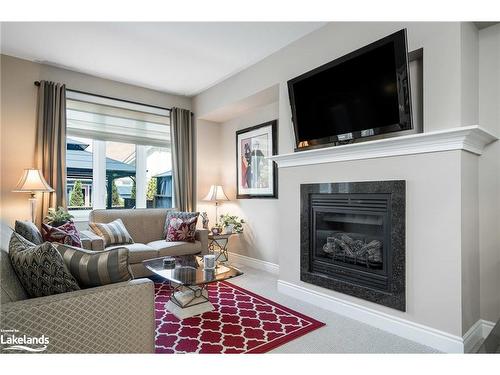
<point>31,181</point>
<point>216,194</point>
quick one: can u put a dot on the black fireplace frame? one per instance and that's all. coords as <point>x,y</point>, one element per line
<point>393,294</point>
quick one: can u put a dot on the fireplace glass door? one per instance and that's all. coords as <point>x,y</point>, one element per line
<point>350,239</point>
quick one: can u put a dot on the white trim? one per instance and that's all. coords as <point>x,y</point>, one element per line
<point>80,215</point>
<point>487,327</point>
<point>254,263</point>
<point>472,336</point>
<point>140,176</point>
<point>468,138</point>
<point>479,330</point>
<point>99,174</point>
<point>422,334</point>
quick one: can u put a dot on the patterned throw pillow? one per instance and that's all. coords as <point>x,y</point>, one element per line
<point>29,231</point>
<point>40,268</point>
<point>66,233</point>
<point>113,233</point>
<point>177,215</point>
<point>96,268</point>
<point>181,226</point>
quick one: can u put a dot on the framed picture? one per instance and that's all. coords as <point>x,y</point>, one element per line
<point>256,176</point>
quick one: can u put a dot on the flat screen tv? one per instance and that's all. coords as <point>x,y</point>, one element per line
<point>361,94</point>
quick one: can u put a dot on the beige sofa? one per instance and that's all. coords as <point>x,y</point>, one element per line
<point>116,318</point>
<point>146,227</point>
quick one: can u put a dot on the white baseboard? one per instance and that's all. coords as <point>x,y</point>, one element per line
<point>487,327</point>
<point>254,263</point>
<point>480,330</point>
<point>472,336</point>
<point>422,334</point>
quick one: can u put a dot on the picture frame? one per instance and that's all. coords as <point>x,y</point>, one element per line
<point>257,177</point>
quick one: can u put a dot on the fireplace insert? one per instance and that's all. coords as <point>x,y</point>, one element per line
<point>352,239</point>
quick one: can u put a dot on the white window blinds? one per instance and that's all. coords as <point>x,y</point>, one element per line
<point>114,120</point>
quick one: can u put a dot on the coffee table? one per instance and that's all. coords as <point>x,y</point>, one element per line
<point>189,281</point>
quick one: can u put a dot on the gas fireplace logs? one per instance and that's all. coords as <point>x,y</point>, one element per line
<point>342,246</point>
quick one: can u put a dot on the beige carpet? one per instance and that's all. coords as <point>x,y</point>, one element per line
<point>340,335</point>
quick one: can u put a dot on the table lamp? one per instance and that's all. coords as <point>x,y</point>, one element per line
<point>216,194</point>
<point>32,181</point>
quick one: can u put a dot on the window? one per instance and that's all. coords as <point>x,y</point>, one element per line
<point>118,154</point>
<point>120,174</point>
<point>79,162</point>
<point>159,179</point>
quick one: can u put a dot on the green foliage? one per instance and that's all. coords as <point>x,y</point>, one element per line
<point>116,200</point>
<point>151,191</point>
<point>227,219</point>
<point>76,196</point>
<point>152,186</point>
<point>133,191</point>
<point>57,217</point>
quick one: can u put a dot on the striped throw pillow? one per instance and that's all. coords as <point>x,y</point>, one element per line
<point>96,268</point>
<point>113,233</point>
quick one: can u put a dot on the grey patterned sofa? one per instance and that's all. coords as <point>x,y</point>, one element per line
<point>116,318</point>
<point>146,228</point>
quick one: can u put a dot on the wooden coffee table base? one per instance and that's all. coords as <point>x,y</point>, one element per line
<point>188,301</point>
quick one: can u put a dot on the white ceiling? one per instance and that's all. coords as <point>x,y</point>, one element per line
<point>183,58</point>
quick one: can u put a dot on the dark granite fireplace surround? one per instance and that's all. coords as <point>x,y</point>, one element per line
<point>353,239</point>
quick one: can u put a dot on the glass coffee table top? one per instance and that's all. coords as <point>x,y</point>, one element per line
<point>189,270</point>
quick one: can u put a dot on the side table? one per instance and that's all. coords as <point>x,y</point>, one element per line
<point>218,242</point>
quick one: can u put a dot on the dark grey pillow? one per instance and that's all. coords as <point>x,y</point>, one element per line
<point>96,268</point>
<point>29,231</point>
<point>40,268</point>
<point>177,215</point>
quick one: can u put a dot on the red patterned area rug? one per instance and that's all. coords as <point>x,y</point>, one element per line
<point>242,322</point>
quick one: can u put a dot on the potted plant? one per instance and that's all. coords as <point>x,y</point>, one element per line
<point>231,224</point>
<point>57,217</point>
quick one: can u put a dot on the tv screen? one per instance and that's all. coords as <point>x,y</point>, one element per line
<point>360,94</point>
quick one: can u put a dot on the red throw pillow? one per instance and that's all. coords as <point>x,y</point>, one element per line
<point>182,230</point>
<point>66,234</point>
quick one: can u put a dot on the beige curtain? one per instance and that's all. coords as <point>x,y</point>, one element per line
<point>183,159</point>
<point>50,147</point>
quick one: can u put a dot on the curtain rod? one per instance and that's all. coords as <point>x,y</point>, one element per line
<point>37,83</point>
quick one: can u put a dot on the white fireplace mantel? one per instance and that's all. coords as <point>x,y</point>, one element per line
<point>468,138</point>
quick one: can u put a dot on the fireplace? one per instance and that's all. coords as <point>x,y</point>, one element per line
<point>353,239</point>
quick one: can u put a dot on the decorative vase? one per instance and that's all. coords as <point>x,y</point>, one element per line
<point>229,229</point>
<point>204,217</point>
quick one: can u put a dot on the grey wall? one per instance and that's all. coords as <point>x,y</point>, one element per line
<point>433,230</point>
<point>217,165</point>
<point>444,101</point>
<point>260,238</point>
<point>443,188</point>
<point>208,158</point>
<point>469,233</point>
<point>469,72</point>
<point>18,118</point>
<point>444,86</point>
<point>489,172</point>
